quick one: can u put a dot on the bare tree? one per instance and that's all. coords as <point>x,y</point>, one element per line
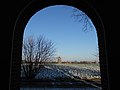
<point>96,54</point>
<point>35,53</point>
<point>82,18</point>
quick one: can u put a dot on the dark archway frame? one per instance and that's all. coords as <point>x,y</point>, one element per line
<point>33,7</point>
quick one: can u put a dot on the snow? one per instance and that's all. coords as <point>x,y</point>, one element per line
<point>68,71</point>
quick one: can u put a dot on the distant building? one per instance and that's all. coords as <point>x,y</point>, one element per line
<point>59,60</point>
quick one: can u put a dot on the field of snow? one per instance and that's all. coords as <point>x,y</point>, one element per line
<point>67,71</point>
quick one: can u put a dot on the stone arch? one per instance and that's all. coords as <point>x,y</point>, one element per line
<point>30,10</point>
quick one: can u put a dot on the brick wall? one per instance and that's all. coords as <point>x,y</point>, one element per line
<point>19,30</point>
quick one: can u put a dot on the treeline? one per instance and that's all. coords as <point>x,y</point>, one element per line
<point>65,62</point>
<point>80,62</point>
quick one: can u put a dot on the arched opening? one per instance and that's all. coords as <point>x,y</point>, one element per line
<point>75,44</point>
<point>24,17</point>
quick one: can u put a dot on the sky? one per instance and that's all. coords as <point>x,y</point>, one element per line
<point>57,24</point>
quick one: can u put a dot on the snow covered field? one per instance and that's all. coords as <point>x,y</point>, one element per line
<point>83,71</point>
<point>62,71</point>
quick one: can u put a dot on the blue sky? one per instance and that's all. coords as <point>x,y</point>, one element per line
<point>56,24</point>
